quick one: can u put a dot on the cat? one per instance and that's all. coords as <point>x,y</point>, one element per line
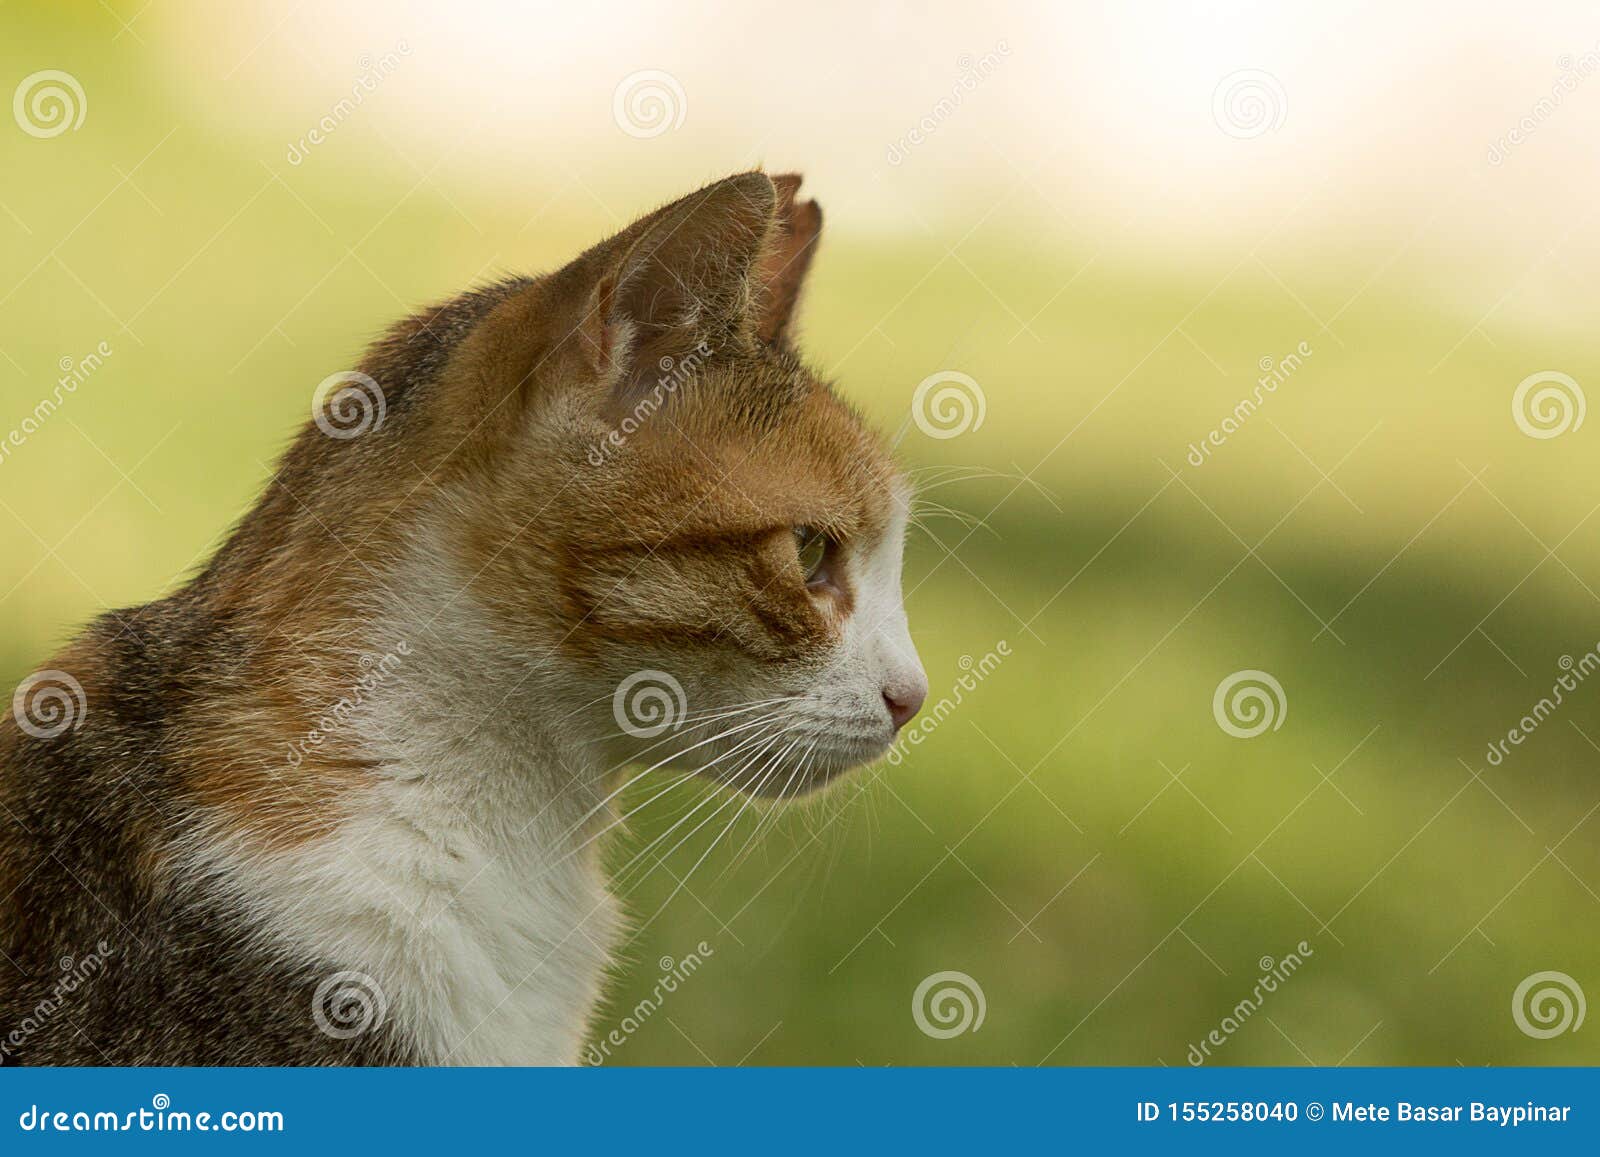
<point>339,799</point>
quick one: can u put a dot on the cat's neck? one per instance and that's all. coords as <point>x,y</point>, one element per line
<point>462,874</point>
<point>492,841</point>
<point>500,804</point>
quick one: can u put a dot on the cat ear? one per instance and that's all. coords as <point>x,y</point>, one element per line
<point>797,226</point>
<point>682,280</point>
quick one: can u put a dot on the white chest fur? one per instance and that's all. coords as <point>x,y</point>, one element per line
<point>456,895</point>
<point>491,941</point>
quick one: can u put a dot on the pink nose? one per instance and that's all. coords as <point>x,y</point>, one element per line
<point>903,704</point>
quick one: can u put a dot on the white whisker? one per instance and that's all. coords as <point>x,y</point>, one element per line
<point>750,796</point>
<point>767,743</point>
<point>736,749</point>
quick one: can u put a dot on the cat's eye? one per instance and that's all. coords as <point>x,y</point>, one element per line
<point>812,546</point>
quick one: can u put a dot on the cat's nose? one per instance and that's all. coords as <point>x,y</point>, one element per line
<point>904,702</point>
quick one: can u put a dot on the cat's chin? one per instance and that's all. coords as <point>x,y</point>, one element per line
<point>821,773</point>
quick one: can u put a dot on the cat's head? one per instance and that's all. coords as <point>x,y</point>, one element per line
<point>687,538</point>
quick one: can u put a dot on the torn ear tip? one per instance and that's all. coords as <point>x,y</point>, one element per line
<point>800,214</point>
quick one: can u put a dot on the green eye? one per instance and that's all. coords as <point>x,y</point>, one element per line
<point>812,547</point>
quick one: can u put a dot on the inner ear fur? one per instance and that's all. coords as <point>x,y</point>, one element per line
<point>683,282</point>
<point>709,275</point>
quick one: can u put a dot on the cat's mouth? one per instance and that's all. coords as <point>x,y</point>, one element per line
<point>780,746</point>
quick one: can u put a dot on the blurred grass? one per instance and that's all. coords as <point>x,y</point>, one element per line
<point>1039,841</point>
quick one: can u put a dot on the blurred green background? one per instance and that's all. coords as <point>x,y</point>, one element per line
<point>1109,248</point>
